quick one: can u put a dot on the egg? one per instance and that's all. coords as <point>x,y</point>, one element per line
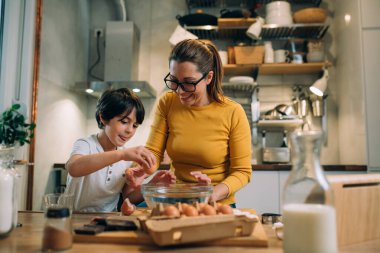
<point>208,210</point>
<point>127,208</point>
<point>171,211</point>
<point>189,211</point>
<point>225,209</point>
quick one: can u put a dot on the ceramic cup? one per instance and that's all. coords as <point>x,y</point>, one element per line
<point>255,29</point>
<point>281,55</point>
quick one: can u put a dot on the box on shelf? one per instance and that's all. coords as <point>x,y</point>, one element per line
<point>249,55</point>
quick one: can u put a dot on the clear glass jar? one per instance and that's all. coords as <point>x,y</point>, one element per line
<point>58,230</point>
<point>308,205</point>
<point>7,191</point>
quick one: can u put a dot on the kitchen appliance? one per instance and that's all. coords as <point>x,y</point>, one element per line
<point>120,63</point>
<point>275,154</point>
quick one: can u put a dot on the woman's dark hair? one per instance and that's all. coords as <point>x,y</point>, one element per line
<point>116,102</point>
<point>206,57</point>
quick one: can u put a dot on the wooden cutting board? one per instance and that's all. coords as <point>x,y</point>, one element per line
<point>257,239</point>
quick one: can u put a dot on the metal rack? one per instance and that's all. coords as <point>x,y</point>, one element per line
<point>231,3</point>
<point>268,32</point>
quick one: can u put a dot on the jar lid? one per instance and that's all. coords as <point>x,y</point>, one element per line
<point>61,212</point>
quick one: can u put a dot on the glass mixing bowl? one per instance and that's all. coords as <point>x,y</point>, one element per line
<point>174,193</point>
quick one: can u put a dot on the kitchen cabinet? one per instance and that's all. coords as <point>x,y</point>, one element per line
<point>264,192</point>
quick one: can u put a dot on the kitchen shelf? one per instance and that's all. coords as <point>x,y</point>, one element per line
<point>275,68</point>
<point>240,69</point>
<point>291,68</point>
<point>235,3</point>
<point>295,31</point>
<point>281,123</point>
<point>236,28</point>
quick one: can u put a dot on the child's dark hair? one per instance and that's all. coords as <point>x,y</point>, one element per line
<point>115,102</point>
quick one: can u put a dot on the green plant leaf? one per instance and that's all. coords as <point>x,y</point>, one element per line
<point>16,106</point>
<point>13,127</point>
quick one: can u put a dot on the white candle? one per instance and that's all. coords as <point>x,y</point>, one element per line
<point>6,200</point>
<point>309,228</point>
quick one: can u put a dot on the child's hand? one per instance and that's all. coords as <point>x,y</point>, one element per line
<point>163,176</point>
<point>200,177</point>
<point>135,176</point>
<point>140,155</point>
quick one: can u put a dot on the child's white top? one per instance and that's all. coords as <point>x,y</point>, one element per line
<point>98,191</point>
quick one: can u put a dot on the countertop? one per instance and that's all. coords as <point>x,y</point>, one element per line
<point>271,167</point>
<point>28,238</point>
<point>285,167</point>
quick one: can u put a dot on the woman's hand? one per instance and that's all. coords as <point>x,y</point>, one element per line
<point>134,177</point>
<point>163,176</point>
<point>200,177</point>
<point>140,155</point>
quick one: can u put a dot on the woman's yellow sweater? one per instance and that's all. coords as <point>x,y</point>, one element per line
<point>214,139</point>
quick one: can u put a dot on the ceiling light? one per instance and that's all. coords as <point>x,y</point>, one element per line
<point>136,90</point>
<point>319,86</point>
<point>89,91</point>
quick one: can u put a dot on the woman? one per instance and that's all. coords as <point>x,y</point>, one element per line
<point>204,132</point>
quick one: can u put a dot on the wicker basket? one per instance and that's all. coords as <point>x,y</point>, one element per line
<point>310,15</point>
<point>249,55</point>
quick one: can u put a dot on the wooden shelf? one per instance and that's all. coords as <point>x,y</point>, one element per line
<point>275,68</point>
<point>287,124</point>
<point>240,69</point>
<point>291,68</point>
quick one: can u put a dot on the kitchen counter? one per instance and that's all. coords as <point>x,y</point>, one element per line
<point>28,238</point>
<point>288,167</point>
<point>271,167</point>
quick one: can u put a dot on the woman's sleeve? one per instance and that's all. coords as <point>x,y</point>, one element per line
<point>159,130</point>
<point>240,152</point>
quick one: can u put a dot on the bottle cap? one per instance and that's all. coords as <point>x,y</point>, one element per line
<point>61,212</point>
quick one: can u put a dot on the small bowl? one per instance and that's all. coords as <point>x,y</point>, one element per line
<point>271,218</point>
<point>175,193</point>
<point>310,15</point>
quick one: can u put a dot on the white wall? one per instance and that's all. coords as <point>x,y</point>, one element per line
<point>61,115</point>
<point>351,117</point>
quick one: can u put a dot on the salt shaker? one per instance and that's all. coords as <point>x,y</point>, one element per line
<point>308,207</point>
<point>57,231</point>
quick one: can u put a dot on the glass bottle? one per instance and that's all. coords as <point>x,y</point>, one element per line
<point>57,231</point>
<point>7,191</point>
<point>308,208</point>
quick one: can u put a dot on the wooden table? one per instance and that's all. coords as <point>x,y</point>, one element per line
<point>28,238</point>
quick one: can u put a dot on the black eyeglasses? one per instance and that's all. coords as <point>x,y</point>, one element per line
<point>189,87</point>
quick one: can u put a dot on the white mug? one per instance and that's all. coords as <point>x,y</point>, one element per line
<point>255,29</point>
<point>223,57</point>
<point>281,55</point>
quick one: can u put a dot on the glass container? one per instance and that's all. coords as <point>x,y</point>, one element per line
<point>58,230</point>
<point>175,193</point>
<point>308,205</point>
<point>8,200</point>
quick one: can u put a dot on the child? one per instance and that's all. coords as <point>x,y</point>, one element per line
<point>98,163</point>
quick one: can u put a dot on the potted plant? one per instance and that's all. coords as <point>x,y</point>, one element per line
<point>13,128</point>
<point>14,132</point>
